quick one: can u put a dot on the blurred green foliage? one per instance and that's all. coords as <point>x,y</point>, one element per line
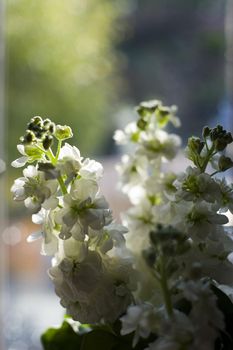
<point>61,64</point>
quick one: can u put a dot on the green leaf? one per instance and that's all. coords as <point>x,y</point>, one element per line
<point>63,338</point>
<point>226,306</point>
<point>224,342</point>
<point>99,340</point>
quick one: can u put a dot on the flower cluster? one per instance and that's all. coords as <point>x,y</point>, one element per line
<point>176,225</point>
<point>174,290</point>
<point>142,178</point>
<point>93,280</point>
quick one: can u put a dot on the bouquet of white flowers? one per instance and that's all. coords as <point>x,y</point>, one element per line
<point>164,279</point>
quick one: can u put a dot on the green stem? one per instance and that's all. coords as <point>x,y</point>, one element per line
<point>62,185</point>
<point>165,288</point>
<point>58,149</point>
<point>53,160</point>
<point>51,156</point>
<point>207,159</point>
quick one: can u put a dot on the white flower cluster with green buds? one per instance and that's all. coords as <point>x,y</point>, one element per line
<point>180,246</point>
<point>177,222</point>
<point>93,281</point>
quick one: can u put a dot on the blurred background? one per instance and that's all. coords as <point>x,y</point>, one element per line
<point>87,64</point>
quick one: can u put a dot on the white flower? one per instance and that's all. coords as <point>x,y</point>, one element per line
<point>83,207</point>
<point>91,169</point>
<point>20,162</point>
<point>226,200</point>
<point>158,143</point>
<point>174,333</point>
<point>193,186</point>
<point>69,161</point>
<point>138,320</point>
<point>130,133</point>
<point>35,190</point>
<point>132,171</point>
<point>48,233</point>
<point>18,189</point>
<point>108,237</point>
<point>205,315</point>
<point>197,219</point>
<point>140,220</point>
<point>88,289</point>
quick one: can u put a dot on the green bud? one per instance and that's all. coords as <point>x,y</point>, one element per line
<point>229,138</point>
<point>148,107</point>
<point>220,144</point>
<point>37,120</point>
<point>150,256</point>
<point>28,138</point>
<point>142,124</point>
<point>164,111</point>
<point>52,128</point>
<point>224,163</point>
<point>206,132</point>
<point>169,248</point>
<point>214,134</point>
<point>63,132</point>
<point>47,142</point>
<point>30,126</point>
<point>166,233</point>
<point>46,123</point>
<point>195,145</point>
<point>135,137</point>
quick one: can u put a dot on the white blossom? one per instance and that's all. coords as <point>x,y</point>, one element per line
<point>138,320</point>
<point>175,333</point>
<point>130,133</point>
<point>207,319</point>
<point>83,207</point>
<point>88,289</point>
<point>158,143</point>
<point>35,190</point>
<point>48,233</point>
<point>193,186</point>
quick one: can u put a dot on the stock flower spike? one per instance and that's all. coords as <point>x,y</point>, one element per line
<point>164,279</point>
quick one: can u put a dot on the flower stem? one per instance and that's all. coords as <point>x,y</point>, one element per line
<point>207,159</point>
<point>53,160</point>
<point>165,288</point>
<point>62,185</point>
<point>58,149</point>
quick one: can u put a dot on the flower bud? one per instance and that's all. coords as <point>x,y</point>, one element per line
<point>206,132</point>
<point>149,107</point>
<point>37,120</point>
<point>142,124</point>
<point>28,138</point>
<point>46,123</point>
<point>164,111</point>
<point>195,145</point>
<point>220,144</point>
<point>47,142</point>
<point>224,163</point>
<point>63,132</point>
<point>149,256</point>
